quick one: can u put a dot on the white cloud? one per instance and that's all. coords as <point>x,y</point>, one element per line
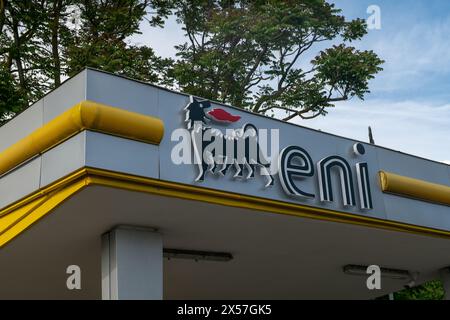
<point>408,126</point>
<point>414,52</point>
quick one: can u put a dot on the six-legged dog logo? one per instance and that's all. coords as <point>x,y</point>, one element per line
<point>215,152</point>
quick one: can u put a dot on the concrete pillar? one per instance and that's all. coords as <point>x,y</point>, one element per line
<point>445,277</point>
<point>132,263</point>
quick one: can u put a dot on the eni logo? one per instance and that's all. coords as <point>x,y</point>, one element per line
<point>215,152</point>
<point>295,162</point>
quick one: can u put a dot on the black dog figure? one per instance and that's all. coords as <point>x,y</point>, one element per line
<point>240,140</point>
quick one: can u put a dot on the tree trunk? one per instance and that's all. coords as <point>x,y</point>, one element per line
<point>3,4</point>
<point>55,43</point>
<point>9,62</point>
<point>17,56</point>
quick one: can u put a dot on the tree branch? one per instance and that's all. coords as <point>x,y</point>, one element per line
<point>300,114</point>
<point>255,65</point>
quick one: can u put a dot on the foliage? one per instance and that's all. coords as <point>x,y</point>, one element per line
<point>43,42</point>
<point>432,290</point>
<point>10,96</point>
<point>101,41</point>
<point>20,54</point>
<point>252,54</point>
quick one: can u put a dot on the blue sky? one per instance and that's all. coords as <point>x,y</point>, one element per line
<point>409,104</point>
<point>414,42</point>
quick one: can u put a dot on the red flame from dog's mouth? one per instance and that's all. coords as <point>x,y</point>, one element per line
<point>222,115</point>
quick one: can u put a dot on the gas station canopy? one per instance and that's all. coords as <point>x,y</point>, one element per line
<point>158,194</point>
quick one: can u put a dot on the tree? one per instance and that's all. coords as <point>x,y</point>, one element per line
<point>19,54</point>
<point>10,98</point>
<point>432,290</point>
<point>42,42</point>
<point>251,54</point>
<point>100,42</point>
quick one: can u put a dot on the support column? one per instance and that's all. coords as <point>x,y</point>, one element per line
<point>445,277</point>
<point>132,259</point>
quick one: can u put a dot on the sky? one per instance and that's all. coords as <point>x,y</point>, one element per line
<point>409,104</point>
